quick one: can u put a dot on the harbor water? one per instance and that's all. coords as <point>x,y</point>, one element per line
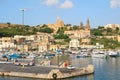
<point>105,69</point>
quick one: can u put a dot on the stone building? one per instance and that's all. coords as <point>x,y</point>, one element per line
<point>74,43</point>
<point>118,38</point>
<point>78,33</point>
<point>112,26</point>
<point>83,32</point>
<point>59,23</point>
<point>7,43</point>
<point>87,25</point>
<point>53,47</point>
<point>40,42</point>
<point>85,41</point>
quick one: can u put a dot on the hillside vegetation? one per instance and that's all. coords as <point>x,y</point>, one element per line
<point>23,30</point>
<point>109,43</point>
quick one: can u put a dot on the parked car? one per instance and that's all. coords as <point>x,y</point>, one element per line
<point>70,67</point>
<point>25,62</point>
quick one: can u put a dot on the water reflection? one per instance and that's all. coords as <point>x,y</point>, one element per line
<point>88,77</point>
<point>105,69</point>
<point>98,62</point>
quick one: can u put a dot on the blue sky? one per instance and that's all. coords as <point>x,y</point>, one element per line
<point>99,12</point>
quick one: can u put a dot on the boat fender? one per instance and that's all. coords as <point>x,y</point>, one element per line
<point>54,76</point>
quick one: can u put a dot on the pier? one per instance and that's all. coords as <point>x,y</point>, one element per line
<point>43,72</point>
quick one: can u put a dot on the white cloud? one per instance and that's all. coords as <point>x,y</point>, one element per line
<point>114,3</point>
<point>51,2</point>
<point>67,4</point>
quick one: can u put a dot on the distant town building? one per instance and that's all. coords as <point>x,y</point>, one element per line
<point>42,47</point>
<point>88,25</point>
<point>39,42</point>
<point>113,26</point>
<point>81,25</point>
<point>85,41</point>
<point>118,38</point>
<point>7,43</point>
<point>108,37</point>
<point>88,46</point>
<point>59,23</point>
<point>53,47</point>
<point>78,33</point>
<point>83,32</point>
<point>74,43</point>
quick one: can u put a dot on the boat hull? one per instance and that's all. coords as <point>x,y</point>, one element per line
<point>99,56</point>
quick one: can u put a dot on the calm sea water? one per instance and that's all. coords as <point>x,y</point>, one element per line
<point>105,69</point>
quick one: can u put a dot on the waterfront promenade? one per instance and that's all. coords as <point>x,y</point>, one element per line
<point>42,72</point>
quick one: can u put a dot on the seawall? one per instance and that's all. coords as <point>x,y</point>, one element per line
<point>54,73</point>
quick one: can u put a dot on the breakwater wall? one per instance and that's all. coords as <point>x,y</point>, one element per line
<point>54,73</point>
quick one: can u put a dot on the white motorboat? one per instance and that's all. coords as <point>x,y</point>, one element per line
<point>98,54</point>
<point>112,53</point>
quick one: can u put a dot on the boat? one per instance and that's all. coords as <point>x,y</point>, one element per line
<point>98,54</point>
<point>83,54</point>
<point>113,53</point>
<point>118,53</point>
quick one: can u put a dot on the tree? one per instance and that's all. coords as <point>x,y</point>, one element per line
<point>68,25</point>
<point>44,25</point>
<point>61,36</point>
<point>96,32</point>
<point>67,40</point>
<point>61,30</point>
<point>75,27</point>
<point>100,27</point>
<point>116,30</point>
<point>46,30</point>
<point>9,24</point>
<point>34,29</point>
<point>109,30</point>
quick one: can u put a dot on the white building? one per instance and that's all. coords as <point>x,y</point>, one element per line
<point>6,44</point>
<point>112,26</point>
<point>74,43</point>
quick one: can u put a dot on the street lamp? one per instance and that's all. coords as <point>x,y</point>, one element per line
<point>22,15</point>
<point>58,53</point>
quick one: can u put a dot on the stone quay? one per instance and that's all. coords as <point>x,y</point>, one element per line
<point>43,72</point>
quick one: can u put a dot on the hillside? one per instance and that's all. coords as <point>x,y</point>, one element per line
<point>8,30</point>
<point>106,36</point>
